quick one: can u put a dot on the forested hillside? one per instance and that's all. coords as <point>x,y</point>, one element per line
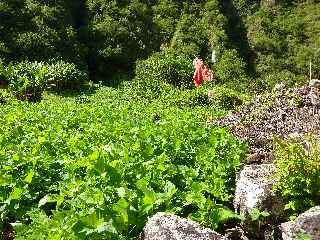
<point>253,39</point>
<point>101,125</point>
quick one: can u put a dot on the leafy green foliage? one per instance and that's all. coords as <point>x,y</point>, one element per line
<point>120,33</point>
<point>98,169</point>
<point>270,44</point>
<point>38,31</point>
<point>284,40</point>
<point>65,76</point>
<point>257,221</point>
<point>97,166</point>
<point>166,14</point>
<point>166,67</point>
<point>304,236</point>
<point>257,215</point>
<point>298,174</point>
<point>227,99</point>
<point>216,24</point>
<point>190,37</point>
<point>231,69</point>
<point>27,80</point>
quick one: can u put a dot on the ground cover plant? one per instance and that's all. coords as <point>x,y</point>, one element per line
<point>98,168</point>
<point>298,173</point>
<point>95,164</point>
<point>28,80</point>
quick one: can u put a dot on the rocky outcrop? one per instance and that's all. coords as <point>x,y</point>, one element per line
<point>166,226</point>
<point>314,83</point>
<point>254,190</point>
<point>307,223</point>
<point>280,113</point>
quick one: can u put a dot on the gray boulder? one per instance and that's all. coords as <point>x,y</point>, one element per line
<point>314,96</point>
<point>269,3</point>
<point>279,87</point>
<point>254,190</point>
<point>314,83</point>
<point>307,223</point>
<point>166,226</point>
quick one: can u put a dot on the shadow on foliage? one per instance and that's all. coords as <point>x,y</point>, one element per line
<point>116,79</point>
<point>87,89</point>
<point>238,33</point>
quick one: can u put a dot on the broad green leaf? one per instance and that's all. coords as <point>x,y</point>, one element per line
<point>196,198</point>
<point>94,156</point>
<point>28,178</point>
<point>149,197</point>
<point>41,139</point>
<point>16,193</point>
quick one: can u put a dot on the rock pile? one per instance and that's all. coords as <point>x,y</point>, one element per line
<point>283,113</point>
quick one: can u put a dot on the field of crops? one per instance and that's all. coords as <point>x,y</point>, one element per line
<point>97,164</point>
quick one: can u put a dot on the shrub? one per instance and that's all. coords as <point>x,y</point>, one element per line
<point>271,79</point>
<point>190,37</point>
<point>298,173</point>
<point>217,97</point>
<point>123,33</point>
<point>65,76</point>
<point>230,68</point>
<point>166,67</point>
<point>40,30</point>
<point>284,39</point>
<point>227,99</point>
<point>2,99</point>
<point>27,80</point>
<point>193,98</point>
<point>36,45</point>
<point>166,15</point>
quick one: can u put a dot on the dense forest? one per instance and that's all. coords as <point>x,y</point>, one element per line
<point>113,129</point>
<point>253,39</point>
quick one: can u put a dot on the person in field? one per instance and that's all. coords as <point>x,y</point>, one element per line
<point>201,72</point>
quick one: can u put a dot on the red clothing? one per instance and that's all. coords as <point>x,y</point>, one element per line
<point>202,72</point>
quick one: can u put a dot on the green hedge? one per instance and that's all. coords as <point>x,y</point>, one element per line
<point>65,76</point>
<point>298,173</point>
<point>27,80</point>
<point>166,67</point>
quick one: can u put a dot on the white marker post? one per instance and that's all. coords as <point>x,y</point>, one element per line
<point>213,56</point>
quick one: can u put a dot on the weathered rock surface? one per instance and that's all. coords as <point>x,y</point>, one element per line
<point>314,83</point>
<point>280,113</point>
<point>165,226</point>
<point>308,223</point>
<point>236,233</point>
<point>269,3</point>
<point>254,190</point>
